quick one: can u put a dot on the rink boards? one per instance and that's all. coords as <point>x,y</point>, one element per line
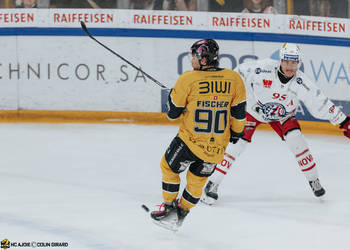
<point>50,68</point>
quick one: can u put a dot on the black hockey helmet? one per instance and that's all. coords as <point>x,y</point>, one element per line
<point>207,48</point>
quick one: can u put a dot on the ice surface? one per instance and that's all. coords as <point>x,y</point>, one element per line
<point>84,184</point>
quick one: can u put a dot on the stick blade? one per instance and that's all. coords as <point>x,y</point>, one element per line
<point>145,208</point>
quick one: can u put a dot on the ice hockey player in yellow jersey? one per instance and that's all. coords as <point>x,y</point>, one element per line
<point>211,103</point>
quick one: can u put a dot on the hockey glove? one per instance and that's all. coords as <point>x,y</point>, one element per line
<point>235,136</point>
<point>346,126</point>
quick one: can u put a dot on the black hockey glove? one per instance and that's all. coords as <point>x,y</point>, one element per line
<point>235,136</point>
<point>346,126</point>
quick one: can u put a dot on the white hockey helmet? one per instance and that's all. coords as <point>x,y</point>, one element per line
<point>290,52</point>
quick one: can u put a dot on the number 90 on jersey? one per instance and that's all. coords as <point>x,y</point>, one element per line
<point>210,121</point>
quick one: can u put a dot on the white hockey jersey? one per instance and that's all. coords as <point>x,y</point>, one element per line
<point>268,99</point>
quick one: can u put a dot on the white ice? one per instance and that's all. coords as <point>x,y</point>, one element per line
<point>84,184</point>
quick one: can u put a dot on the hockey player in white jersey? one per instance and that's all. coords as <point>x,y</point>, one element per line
<point>273,93</point>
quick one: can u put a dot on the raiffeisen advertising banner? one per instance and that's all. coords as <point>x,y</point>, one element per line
<point>48,63</point>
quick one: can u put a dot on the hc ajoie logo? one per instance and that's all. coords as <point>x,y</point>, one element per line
<point>5,244</point>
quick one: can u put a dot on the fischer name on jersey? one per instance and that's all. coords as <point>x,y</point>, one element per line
<point>268,99</point>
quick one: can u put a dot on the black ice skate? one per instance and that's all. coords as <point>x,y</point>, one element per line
<point>210,195</point>
<point>169,216</point>
<point>317,188</point>
<point>181,214</point>
<point>164,211</point>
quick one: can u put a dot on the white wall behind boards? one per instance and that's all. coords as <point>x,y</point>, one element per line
<point>47,63</point>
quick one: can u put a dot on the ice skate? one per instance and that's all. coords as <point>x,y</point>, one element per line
<point>181,214</point>
<point>169,216</point>
<point>317,188</point>
<point>210,195</point>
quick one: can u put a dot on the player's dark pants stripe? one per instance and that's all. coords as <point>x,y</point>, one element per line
<point>238,111</point>
<point>188,197</point>
<point>171,187</point>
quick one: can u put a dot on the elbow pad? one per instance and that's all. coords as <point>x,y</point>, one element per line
<point>239,111</point>
<point>173,111</point>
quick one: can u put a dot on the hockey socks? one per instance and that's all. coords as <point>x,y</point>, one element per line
<point>232,152</point>
<point>297,144</point>
<point>211,189</point>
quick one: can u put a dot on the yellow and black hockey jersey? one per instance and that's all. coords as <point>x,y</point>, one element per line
<point>212,102</point>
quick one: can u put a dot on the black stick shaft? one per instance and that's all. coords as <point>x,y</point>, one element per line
<point>83,26</point>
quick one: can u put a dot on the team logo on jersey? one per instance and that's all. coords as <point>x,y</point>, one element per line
<point>257,70</point>
<point>267,83</point>
<point>299,80</point>
<point>273,110</point>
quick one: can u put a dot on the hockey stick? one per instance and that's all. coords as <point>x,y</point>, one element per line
<point>83,26</point>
